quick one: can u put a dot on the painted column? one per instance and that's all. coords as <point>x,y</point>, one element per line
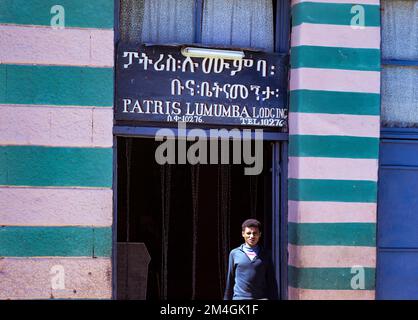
<point>56,97</point>
<point>333,148</point>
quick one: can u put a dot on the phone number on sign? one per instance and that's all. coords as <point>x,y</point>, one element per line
<point>244,121</point>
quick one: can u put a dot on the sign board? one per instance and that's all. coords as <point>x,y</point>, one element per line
<point>159,84</point>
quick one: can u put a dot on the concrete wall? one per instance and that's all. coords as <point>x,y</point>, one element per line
<point>56,117</point>
<point>333,149</point>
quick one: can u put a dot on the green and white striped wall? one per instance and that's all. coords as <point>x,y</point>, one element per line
<point>333,149</point>
<point>56,117</point>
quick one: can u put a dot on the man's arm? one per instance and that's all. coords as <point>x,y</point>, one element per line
<point>230,279</point>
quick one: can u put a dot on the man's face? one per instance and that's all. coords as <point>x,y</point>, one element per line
<point>251,236</point>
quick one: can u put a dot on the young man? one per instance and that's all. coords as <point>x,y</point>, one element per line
<point>250,272</point>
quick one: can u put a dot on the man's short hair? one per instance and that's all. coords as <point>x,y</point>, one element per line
<point>251,223</point>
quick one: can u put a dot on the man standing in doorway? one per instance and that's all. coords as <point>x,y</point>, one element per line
<point>250,271</point>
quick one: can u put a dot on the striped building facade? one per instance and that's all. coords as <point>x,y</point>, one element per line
<point>56,117</point>
<point>56,158</point>
<point>333,149</point>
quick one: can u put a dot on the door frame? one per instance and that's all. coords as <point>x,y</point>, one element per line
<point>279,199</point>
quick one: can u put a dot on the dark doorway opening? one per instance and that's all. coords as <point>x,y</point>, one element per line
<point>188,217</point>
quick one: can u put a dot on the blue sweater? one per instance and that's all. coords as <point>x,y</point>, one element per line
<point>248,279</point>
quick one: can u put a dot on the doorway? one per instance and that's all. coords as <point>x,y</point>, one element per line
<point>188,218</point>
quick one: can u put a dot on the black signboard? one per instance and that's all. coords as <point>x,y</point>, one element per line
<point>162,84</point>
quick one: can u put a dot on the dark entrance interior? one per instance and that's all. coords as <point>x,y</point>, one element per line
<point>189,218</point>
